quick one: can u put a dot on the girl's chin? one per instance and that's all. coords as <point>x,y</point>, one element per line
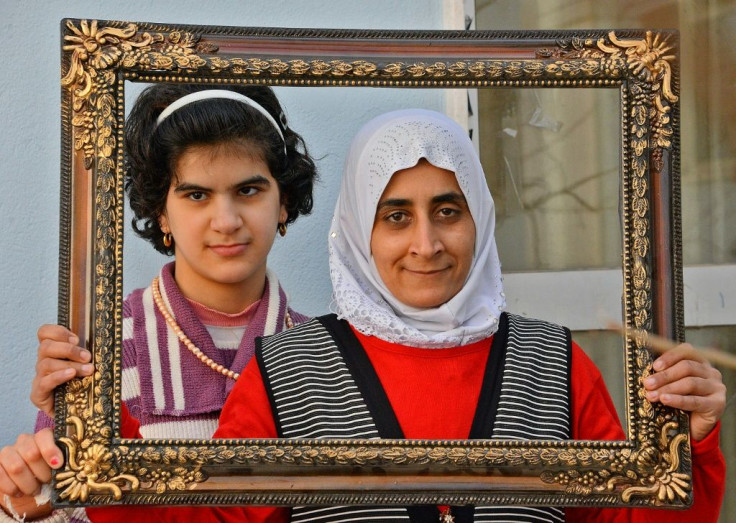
<point>236,277</point>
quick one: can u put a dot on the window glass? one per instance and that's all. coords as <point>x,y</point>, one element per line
<point>551,157</point>
<point>708,136</point>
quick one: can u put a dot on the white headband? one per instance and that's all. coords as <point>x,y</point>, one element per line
<point>218,93</point>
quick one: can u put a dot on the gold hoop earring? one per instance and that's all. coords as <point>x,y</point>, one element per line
<point>282,229</point>
<point>168,239</point>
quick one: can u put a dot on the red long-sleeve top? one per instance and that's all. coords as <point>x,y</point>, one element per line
<point>434,394</point>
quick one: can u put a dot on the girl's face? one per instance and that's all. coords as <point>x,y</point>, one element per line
<point>223,209</point>
<point>423,236</point>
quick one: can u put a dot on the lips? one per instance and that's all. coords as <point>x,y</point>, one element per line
<point>426,272</point>
<point>228,251</point>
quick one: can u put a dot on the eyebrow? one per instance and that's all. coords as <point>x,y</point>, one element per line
<point>393,202</point>
<point>450,197</point>
<point>253,180</point>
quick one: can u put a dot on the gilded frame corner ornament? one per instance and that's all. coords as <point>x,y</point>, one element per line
<point>651,468</point>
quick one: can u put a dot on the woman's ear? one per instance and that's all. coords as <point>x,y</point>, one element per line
<point>163,224</point>
<point>283,214</point>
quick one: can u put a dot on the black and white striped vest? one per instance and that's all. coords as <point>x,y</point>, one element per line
<point>322,385</point>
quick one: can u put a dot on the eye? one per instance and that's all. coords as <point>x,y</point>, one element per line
<point>196,196</point>
<point>448,212</point>
<point>249,191</point>
<point>396,217</point>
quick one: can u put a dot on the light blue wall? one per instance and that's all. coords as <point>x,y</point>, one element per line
<point>29,140</point>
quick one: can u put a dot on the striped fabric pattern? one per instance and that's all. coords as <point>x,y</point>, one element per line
<point>516,514</point>
<point>314,393</point>
<point>171,393</point>
<point>195,426</point>
<point>315,396</point>
<point>534,392</point>
<point>534,401</point>
<point>347,514</point>
<point>164,376</point>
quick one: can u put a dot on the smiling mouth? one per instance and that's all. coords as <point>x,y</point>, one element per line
<point>427,273</point>
<point>228,250</point>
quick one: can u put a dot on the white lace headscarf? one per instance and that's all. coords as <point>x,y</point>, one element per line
<point>389,143</point>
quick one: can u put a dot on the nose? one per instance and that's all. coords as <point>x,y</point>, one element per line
<point>426,241</point>
<point>226,219</point>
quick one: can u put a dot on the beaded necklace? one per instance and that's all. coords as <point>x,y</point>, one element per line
<point>221,369</point>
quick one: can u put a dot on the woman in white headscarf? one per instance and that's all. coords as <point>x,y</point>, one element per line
<point>419,346</point>
<point>387,144</point>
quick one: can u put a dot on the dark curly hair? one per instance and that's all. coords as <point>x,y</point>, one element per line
<point>152,152</point>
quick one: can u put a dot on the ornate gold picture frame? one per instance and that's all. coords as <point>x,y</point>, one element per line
<point>651,467</point>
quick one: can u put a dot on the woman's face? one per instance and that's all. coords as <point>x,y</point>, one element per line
<point>423,236</point>
<point>222,209</point>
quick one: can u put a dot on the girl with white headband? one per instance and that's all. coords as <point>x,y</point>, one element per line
<point>211,176</point>
<point>419,346</point>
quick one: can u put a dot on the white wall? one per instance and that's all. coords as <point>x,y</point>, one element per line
<point>29,141</point>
